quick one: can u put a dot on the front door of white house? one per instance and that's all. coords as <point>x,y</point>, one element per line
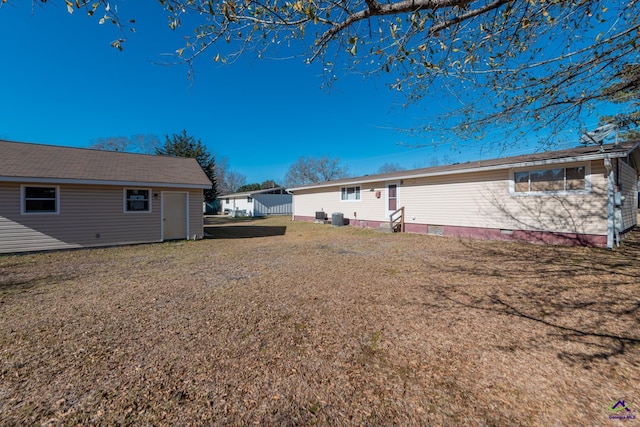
<point>392,198</point>
<point>174,215</point>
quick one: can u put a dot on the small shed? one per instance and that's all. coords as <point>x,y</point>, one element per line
<point>54,197</point>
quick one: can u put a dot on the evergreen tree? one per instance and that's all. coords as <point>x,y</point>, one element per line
<point>183,145</point>
<point>249,187</point>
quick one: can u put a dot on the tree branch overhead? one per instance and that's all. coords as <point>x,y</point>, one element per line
<point>521,59</point>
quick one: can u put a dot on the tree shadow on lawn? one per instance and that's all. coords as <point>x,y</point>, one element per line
<point>14,285</point>
<point>587,299</point>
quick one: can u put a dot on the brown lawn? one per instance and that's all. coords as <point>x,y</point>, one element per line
<point>311,324</point>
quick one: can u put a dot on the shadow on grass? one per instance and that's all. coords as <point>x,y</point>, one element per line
<point>14,285</point>
<point>243,231</point>
<point>587,299</point>
<point>229,220</point>
<point>227,227</point>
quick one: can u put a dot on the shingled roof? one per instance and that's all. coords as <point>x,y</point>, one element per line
<point>26,162</point>
<point>577,154</point>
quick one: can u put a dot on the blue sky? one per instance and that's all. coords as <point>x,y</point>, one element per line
<point>62,84</point>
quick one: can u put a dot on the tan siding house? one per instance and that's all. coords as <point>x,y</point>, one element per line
<point>61,198</point>
<point>566,197</point>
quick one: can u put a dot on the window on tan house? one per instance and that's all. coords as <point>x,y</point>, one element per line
<point>350,193</point>
<point>40,199</point>
<point>550,180</point>
<point>137,200</point>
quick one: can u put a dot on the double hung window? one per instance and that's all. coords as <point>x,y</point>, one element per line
<point>137,200</point>
<point>350,193</point>
<point>40,199</point>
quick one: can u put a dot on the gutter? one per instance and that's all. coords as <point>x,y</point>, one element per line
<point>36,180</point>
<point>427,174</point>
<point>293,204</point>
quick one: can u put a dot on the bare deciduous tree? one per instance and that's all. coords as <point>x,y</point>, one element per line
<point>311,170</point>
<point>390,167</point>
<point>145,144</point>
<point>626,90</point>
<point>520,65</point>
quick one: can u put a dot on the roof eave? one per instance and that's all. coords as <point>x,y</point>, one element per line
<point>38,180</point>
<point>249,193</point>
<point>426,174</point>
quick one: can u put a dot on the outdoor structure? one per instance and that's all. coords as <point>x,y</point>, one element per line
<point>59,198</point>
<point>271,201</point>
<point>587,195</point>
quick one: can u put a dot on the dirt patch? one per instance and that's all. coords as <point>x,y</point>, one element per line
<point>320,325</point>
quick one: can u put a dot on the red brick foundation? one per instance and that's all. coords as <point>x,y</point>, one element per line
<point>542,237</point>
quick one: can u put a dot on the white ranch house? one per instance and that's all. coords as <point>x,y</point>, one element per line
<point>586,195</point>
<point>271,201</point>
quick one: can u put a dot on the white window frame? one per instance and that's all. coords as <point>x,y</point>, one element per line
<point>23,199</point>
<point>587,180</point>
<point>358,192</point>
<point>124,200</point>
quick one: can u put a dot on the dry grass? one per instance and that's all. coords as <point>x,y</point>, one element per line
<point>311,324</point>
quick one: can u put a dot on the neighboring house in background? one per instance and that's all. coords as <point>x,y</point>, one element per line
<point>272,201</point>
<point>587,195</point>
<point>55,197</point>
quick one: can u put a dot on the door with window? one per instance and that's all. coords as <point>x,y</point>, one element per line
<point>392,198</point>
<point>174,216</point>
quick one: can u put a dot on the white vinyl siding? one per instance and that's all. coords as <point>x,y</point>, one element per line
<point>479,199</point>
<point>241,203</point>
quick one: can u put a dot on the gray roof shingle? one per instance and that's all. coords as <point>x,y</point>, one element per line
<point>569,155</point>
<point>49,163</point>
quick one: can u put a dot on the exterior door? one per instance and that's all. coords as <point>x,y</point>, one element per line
<point>174,216</point>
<point>392,198</point>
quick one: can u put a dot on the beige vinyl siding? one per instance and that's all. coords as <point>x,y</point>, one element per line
<point>482,199</point>
<point>88,216</point>
<point>308,202</point>
<point>196,219</point>
<point>478,199</point>
<point>629,189</point>
<point>17,236</point>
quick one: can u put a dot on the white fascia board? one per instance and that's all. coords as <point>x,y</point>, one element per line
<point>248,193</point>
<point>366,180</point>
<point>237,195</point>
<point>98,182</point>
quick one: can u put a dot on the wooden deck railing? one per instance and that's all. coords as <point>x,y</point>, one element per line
<point>396,220</point>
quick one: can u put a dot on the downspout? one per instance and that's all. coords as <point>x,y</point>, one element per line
<point>293,207</point>
<point>611,226</point>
